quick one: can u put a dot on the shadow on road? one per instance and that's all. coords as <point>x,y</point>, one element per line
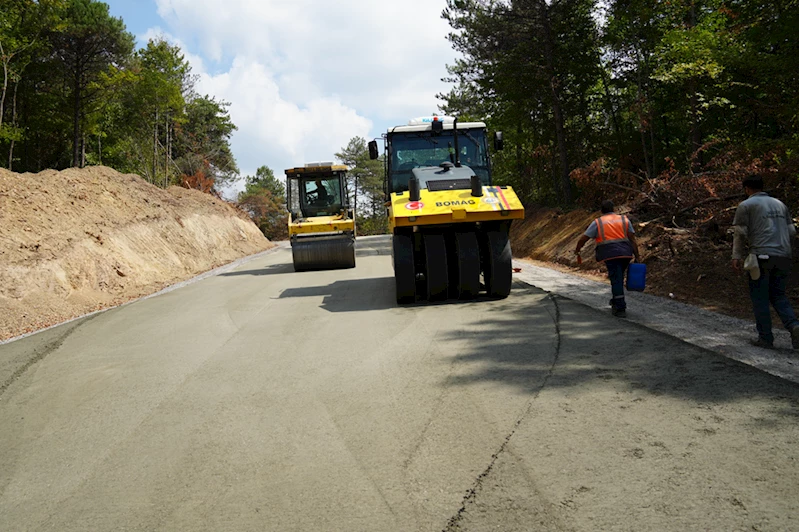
<point>274,269</point>
<point>352,295</point>
<point>556,342</point>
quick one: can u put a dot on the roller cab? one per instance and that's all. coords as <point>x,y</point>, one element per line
<point>449,223</point>
<point>321,224</point>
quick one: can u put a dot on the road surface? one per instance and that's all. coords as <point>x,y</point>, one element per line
<point>264,399</point>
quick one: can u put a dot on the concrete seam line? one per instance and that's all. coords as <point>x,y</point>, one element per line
<point>471,494</point>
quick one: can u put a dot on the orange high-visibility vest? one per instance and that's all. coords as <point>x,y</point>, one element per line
<point>611,228</point>
<point>612,240</point>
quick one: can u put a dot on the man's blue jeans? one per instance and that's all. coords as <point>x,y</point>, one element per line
<point>770,289</point>
<point>616,270</point>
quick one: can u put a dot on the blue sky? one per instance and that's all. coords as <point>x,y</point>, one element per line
<point>139,15</point>
<point>304,76</point>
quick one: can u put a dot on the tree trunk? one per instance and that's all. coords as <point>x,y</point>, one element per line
<point>13,124</point>
<point>696,133</point>
<point>613,114</point>
<point>519,162</point>
<point>76,125</point>
<point>560,134</point>
<point>155,150</point>
<point>76,120</point>
<point>643,99</point>
<point>557,111</point>
<point>166,153</point>
<point>652,144</point>
<point>5,84</point>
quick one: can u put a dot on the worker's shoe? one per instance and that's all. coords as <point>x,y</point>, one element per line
<point>760,342</point>
<point>795,337</point>
<point>619,312</point>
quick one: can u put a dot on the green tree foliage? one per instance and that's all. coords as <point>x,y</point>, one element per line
<point>264,199</point>
<point>626,90</point>
<point>22,24</point>
<point>139,122</point>
<point>75,92</point>
<point>202,142</point>
<point>365,185</point>
<point>536,64</point>
<point>264,179</point>
<point>83,48</point>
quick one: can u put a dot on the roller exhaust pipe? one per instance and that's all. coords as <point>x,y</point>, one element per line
<point>414,189</point>
<point>477,186</point>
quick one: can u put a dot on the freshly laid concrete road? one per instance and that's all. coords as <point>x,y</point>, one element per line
<point>263,399</point>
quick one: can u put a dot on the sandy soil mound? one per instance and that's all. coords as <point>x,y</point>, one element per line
<point>83,239</point>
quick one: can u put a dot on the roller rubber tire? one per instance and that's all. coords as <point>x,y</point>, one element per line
<point>498,273</point>
<point>435,251</point>
<point>467,250</point>
<point>404,272</point>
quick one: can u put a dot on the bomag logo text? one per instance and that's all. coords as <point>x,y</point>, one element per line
<point>455,203</point>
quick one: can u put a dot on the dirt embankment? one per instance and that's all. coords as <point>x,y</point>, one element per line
<point>692,265</point>
<point>76,241</point>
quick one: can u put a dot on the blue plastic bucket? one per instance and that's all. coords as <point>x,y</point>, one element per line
<point>636,277</point>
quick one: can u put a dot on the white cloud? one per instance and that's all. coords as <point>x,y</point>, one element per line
<point>275,131</point>
<point>304,76</point>
<point>196,62</point>
<point>365,51</point>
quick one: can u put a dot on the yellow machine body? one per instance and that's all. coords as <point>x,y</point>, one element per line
<point>321,225</point>
<point>453,207</point>
<point>449,223</point>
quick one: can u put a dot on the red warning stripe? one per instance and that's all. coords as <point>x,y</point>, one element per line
<point>504,199</point>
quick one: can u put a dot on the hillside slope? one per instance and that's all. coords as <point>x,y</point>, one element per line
<point>688,265</point>
<point>83,239</point>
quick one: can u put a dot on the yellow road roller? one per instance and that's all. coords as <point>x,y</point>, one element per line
<point>449,223</point>
<point>321,224</point>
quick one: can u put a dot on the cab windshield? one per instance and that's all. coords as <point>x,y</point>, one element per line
<point>411,150</point>
<point>320,197</point>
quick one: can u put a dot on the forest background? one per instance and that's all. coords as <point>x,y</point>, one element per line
<point>663,105</point>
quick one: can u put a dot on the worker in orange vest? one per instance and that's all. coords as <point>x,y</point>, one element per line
<point>615,246</point>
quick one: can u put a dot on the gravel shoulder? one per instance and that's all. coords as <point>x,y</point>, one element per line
<point>716,332</point>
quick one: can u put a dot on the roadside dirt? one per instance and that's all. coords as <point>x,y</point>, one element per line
<point>80,240</point>
<point>689,265</point>
<point>76,241</point>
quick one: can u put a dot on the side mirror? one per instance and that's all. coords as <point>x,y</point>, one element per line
<point>373,154</point>
<point>499,141</point>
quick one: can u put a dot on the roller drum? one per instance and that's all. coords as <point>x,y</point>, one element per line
<point>323,252</point>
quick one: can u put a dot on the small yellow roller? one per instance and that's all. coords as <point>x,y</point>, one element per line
<point>321,224</point>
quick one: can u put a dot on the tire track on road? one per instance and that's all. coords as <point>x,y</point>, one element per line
<point>40,353</point>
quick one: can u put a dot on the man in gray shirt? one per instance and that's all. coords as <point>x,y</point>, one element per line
<point>764,225</point>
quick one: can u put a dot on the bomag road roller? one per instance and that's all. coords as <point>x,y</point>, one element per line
<point>449,223</point>
<point>321,225</point>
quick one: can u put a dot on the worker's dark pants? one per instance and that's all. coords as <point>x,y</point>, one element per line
<point>770,288</point>
<point>616,270</point>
